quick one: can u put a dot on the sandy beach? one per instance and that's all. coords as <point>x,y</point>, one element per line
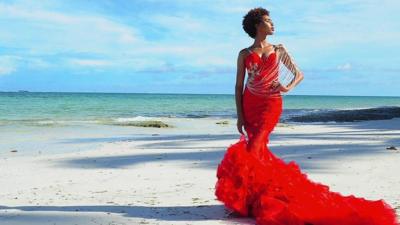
<point>133,175</point>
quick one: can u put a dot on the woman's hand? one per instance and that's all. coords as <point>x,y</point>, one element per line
<point>277,86</point>
<point>240,124</point>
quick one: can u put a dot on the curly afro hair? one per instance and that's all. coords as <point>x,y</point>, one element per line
<point>251,19</point>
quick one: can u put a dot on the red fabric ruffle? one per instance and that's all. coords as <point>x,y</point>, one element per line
<point>252,181</point>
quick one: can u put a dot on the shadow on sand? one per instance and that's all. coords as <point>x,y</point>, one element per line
<point>166,213</point>
<point>204,156</point>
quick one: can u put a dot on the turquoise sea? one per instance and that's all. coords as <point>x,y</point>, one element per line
<point>50,108</point>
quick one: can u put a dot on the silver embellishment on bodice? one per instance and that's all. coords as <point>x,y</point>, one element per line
<point>253,69</point>
<point>262,74</point>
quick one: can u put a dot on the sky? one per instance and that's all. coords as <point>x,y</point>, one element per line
<point>191,46</point>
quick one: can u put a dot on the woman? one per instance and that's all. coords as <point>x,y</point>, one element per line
<point>252,181</point>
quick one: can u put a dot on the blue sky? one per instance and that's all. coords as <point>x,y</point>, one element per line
<point>181,46</point>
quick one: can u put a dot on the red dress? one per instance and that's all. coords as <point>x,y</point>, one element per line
<point>252,181</point>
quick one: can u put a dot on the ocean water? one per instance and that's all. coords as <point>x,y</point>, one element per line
<point>45,109</point>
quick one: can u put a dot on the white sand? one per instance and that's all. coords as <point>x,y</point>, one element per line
<point>132,176</point>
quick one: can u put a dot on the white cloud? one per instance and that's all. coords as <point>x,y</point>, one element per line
<point>46,31</point>
<point>6,69</point>
<point>15,11</point>
<point>90,62</point>
<point>183,23</point>
<point>344,67</point>
<point>38,63</point>
<point>8,64</point>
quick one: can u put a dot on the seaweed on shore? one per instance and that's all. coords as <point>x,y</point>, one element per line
<point>149,123</point>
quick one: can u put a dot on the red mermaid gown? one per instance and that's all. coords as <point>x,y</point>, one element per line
<point>252,181</point>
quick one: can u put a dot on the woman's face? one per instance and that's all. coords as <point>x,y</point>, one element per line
<point>265,27</point>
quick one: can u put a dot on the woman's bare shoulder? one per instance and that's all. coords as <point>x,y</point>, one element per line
<point>244,53</point>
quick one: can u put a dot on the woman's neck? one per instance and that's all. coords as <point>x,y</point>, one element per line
<point>260,42</point>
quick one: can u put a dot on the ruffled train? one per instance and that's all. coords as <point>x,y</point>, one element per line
<point>278,193</point>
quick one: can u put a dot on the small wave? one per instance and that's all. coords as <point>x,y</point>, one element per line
<point>45,122</point>
<point>32,122</point>
<point>381,113</point>
<point>132,119</point>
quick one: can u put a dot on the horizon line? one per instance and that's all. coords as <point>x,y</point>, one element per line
<point>172,93</point>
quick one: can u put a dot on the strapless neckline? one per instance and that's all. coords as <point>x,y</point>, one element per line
<point>262,56</point>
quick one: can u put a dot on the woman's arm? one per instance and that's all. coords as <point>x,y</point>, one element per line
<point>240,74</point>
<point>285,58</point>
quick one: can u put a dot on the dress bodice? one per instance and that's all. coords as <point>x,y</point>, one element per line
<point>262,71</point>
